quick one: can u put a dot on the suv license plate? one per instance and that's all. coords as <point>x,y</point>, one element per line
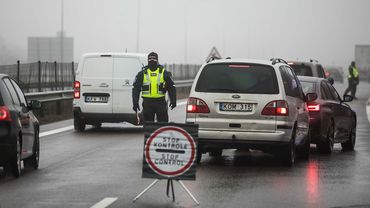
<point>94,99</point>
<point>238,107</point>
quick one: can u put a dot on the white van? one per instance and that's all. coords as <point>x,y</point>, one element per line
<point>103,88</point>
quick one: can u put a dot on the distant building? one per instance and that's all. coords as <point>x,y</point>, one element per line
<point>50,49</point>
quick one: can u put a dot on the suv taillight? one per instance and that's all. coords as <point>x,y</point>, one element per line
<point>4,114</point>
<point>196,105</point>
<point>276,108</point>
<point>313,107</point>
<point>76,93</point>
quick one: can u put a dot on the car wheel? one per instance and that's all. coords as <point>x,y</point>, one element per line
<point>15,164</point>
<point>304,151</point>
<point>289,153</point>
<point>327,146</point>
<point>215,153</point>
<point>79,124</point>
<point>350,143</point>
<point>33,161</point>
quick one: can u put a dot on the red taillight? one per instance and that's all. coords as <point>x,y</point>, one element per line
<point>4,114</point>
<point>313,107</point>
<point>77,86</point>
<point>276,108</point>
<point>196,105</point>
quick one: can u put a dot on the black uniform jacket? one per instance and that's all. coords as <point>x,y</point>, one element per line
<point>138,83</point>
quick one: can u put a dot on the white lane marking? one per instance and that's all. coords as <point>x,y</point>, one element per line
<point>104,203</point>
<point>368,110</point>
<point>55,131</point>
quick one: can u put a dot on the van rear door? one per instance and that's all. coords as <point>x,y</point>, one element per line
<point>124,72</point>
<point>96,84</point>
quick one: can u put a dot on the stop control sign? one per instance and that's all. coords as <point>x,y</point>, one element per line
<point>170,151</point>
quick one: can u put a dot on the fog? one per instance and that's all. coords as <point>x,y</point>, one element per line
<point>184,31</point>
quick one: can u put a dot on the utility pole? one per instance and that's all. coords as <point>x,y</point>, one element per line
<point>61,30</point>
<point>138,26</point>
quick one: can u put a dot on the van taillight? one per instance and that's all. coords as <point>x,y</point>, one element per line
<point>313,107</point>
<point>196,105</point>
<point>77,86</point>
<point>4,114</point>
<point>276,108</point>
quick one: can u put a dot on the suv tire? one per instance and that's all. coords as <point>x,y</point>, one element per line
<point>304,151</point>
<point>33,161</point>
<point>289,152</point>
<point>79,124</point>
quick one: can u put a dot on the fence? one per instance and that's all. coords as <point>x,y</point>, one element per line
<point>46,76</point>
<point>41,76</point>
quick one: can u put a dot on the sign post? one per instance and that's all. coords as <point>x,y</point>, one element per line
<point>169,153</point>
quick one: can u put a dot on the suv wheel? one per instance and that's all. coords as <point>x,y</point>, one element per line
<point>33,161</point>
<point>215,153</point>
<point>350,143</point>
<point>79,124</point>
<point>304,151</point>
<point>327,146</point>
<point>289,152</point>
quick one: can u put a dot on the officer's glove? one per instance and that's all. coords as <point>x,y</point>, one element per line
<point>136,107</point>
<point>172,105</point>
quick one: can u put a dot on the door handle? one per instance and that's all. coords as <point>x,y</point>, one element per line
<point>103,85</point>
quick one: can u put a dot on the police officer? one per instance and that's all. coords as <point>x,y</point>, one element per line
<point>353,80</point>
<point>153,82</point>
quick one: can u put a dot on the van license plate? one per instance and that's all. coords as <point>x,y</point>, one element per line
<point>94,99</point>
<point>238,107</point>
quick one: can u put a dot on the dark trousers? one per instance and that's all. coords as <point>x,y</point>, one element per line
<point>155,107</point>
<point>352,86</point>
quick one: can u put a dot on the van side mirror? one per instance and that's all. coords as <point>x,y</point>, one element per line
<point>34,104</point>
<point>311,97</point>
<point>331,80</point>
<point>347,98</point>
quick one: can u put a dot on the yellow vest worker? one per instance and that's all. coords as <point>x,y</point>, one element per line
<point>153,82</point>
<point>353,80</point>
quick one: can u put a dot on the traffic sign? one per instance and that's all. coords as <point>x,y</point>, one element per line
<point>170,152</point>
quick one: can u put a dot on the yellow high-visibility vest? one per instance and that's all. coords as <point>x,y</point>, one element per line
<point>355,73</point>
<point>153,84</point>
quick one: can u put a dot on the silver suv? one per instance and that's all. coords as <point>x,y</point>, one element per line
<point>310,69</point>
<point>245,103</point>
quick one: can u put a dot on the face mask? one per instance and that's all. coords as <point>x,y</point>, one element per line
<point>152,63</point>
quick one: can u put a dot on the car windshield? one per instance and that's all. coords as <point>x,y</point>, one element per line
<point>238,78</point>
<point>302,70</point>
<point>308,87</point>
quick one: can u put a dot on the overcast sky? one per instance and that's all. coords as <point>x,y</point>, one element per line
<point>184,31</point>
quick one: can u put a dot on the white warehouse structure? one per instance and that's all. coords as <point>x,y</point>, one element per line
<point>50,49</point>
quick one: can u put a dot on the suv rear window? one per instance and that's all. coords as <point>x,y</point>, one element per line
<point>238,78</point>
<point>302,70</point>
<point>97,67</point>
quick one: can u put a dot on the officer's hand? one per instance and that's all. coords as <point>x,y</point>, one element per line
<point>172,105</point>
<point>136,107</point>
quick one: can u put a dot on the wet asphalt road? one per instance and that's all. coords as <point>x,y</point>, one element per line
<point>81,169</point>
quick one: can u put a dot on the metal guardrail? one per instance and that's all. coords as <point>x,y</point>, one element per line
<point>51,96</point>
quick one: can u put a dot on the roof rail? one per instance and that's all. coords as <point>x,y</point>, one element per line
<point>314,60</point>
<point>212,59</point>
<point>277,60</point>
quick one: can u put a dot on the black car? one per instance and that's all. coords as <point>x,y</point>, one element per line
<point>19,128</point>
<point>331,119</point>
